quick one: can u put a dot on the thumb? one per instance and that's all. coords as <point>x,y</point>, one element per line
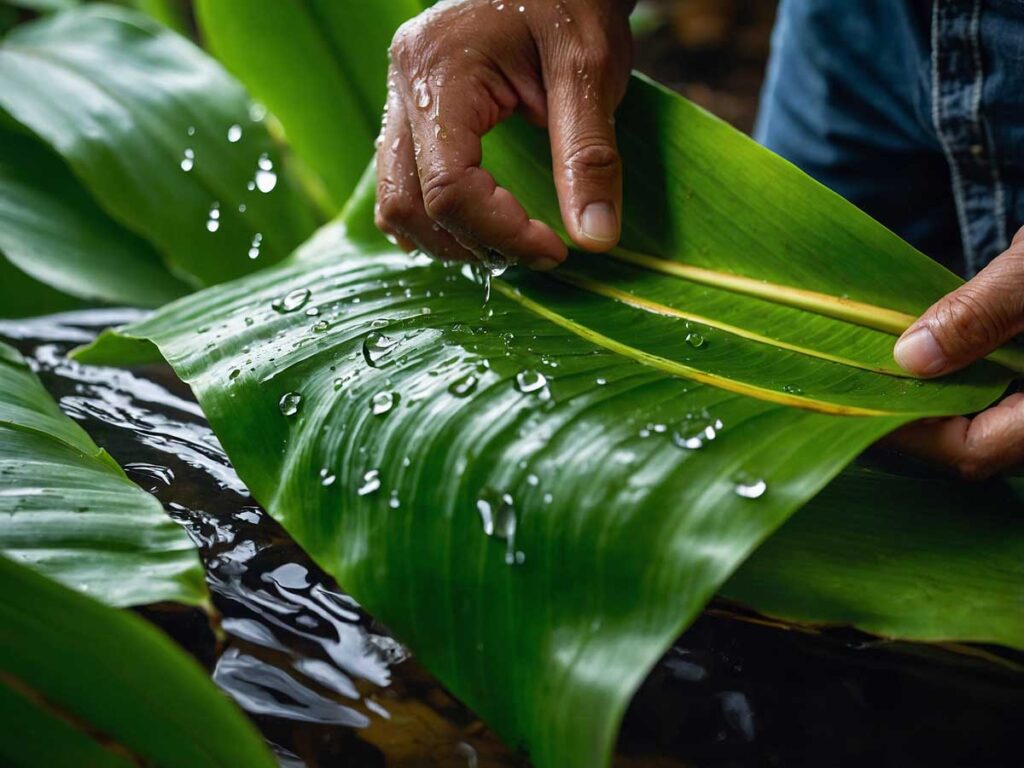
<point>586,163</point>
<point>970,322</point>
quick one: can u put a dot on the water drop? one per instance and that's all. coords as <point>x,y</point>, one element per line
<point>257,112</point>
<point>381,322</point>
<point>327,477</point>
<point>320,326</point>
<point>213,218</point>
<point>254,247</point>
<point>382,402</point>
<point>600,381</point>
<point>376,346</point>
<point>289,403</point>
<point>371,483</point>
<point>394,502</point>
<point>695,340</point>
<point>695,430</point>
<point>793,389</point>
<point>749,487</point>
<point>191,131</point>
<point>188,159</point>
<point>422,94</point>
<point>291,301</point>
<point>495,262</point>
<point>265,178</point>
<point>234,133</point>
<point>464,387</point>
<point>235,373</point>
<point>530,381</point>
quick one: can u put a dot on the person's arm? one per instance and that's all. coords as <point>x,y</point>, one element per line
<point>962,327</point>
<point>462,67</point>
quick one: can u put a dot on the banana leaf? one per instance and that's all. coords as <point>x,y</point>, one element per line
<point>320,66</point>
<point>82,684</point>
<point>68,511</point>
<point>160,135</point>
<point>53,232</point>
<point>539,495</point>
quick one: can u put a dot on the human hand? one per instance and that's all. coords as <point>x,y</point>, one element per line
<point>960,328</point>
<point>459,69</point>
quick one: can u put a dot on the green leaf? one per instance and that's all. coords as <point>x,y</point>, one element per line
<point>621,532</point>
<point>319,65</point>
<point>52,230</point>
<point>69,512</point>
<point>915,558</point>
<point>85,685</point>
<point>129,105</point>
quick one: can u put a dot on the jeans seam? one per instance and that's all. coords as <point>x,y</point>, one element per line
<point>944,140</point>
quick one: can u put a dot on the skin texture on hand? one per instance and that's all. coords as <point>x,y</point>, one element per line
<point>960,328</point>
<point>462,67</point>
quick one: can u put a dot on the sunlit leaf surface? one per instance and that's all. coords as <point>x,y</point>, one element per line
<point>52,230</point>
<point>161,136</point>
<point>319,65</point>
<point>68,511</point>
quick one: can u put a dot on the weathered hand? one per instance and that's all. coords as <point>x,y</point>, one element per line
<point>957,330</point>
<point>462,67</point>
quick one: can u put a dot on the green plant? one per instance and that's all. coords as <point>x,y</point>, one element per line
<point>539,494</point>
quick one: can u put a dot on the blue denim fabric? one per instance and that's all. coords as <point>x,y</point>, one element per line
<point>911,109</point>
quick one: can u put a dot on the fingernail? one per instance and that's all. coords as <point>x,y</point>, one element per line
<point>598,222</point>
<point>543,264</point>
<point>918,352</point>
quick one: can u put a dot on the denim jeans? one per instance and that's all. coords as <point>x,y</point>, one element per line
<point>911,109</point>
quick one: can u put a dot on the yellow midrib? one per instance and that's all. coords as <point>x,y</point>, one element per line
<point>603,289</point>
<point>859,313</point>
<point>681,369</point>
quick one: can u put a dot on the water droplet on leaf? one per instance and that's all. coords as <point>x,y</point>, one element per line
<point>382,402</point>
<point>370,484</point>
<point>376,346</point>
<point>291,301</point>
<point>530,381</point>
<point>289,403</point>
<point>749,487</point>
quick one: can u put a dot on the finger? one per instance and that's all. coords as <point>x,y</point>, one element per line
<point>970,322</point>
<point>399,210</point>
<point>584,154</point>
<point>991,442</point>
<point>459,195</point>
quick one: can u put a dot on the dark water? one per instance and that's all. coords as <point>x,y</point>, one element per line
<point>329,687</point>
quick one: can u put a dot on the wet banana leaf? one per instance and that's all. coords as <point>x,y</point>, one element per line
<point>915,558</point>
<point>159,134</point>
<point>537,496</point>
<point>82,684</point>
<point>319,65</point>
<point>53,232</point>
<point>68,511</point>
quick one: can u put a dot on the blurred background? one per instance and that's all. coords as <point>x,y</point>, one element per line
<point>712,51</point>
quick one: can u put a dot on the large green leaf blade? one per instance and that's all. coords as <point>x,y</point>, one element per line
<point>68,511</point>
<point>914,558</point>
<point>84,684</point>
<point>319,65</point>
<point>160,135</point>
<point>54,232</point>
<point>623,534</point>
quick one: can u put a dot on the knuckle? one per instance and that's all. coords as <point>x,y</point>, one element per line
<point>968,321</point>
<point>593,157</point>
<point>444,195</point>
<point>404,44</point>
<point>395,209</point>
